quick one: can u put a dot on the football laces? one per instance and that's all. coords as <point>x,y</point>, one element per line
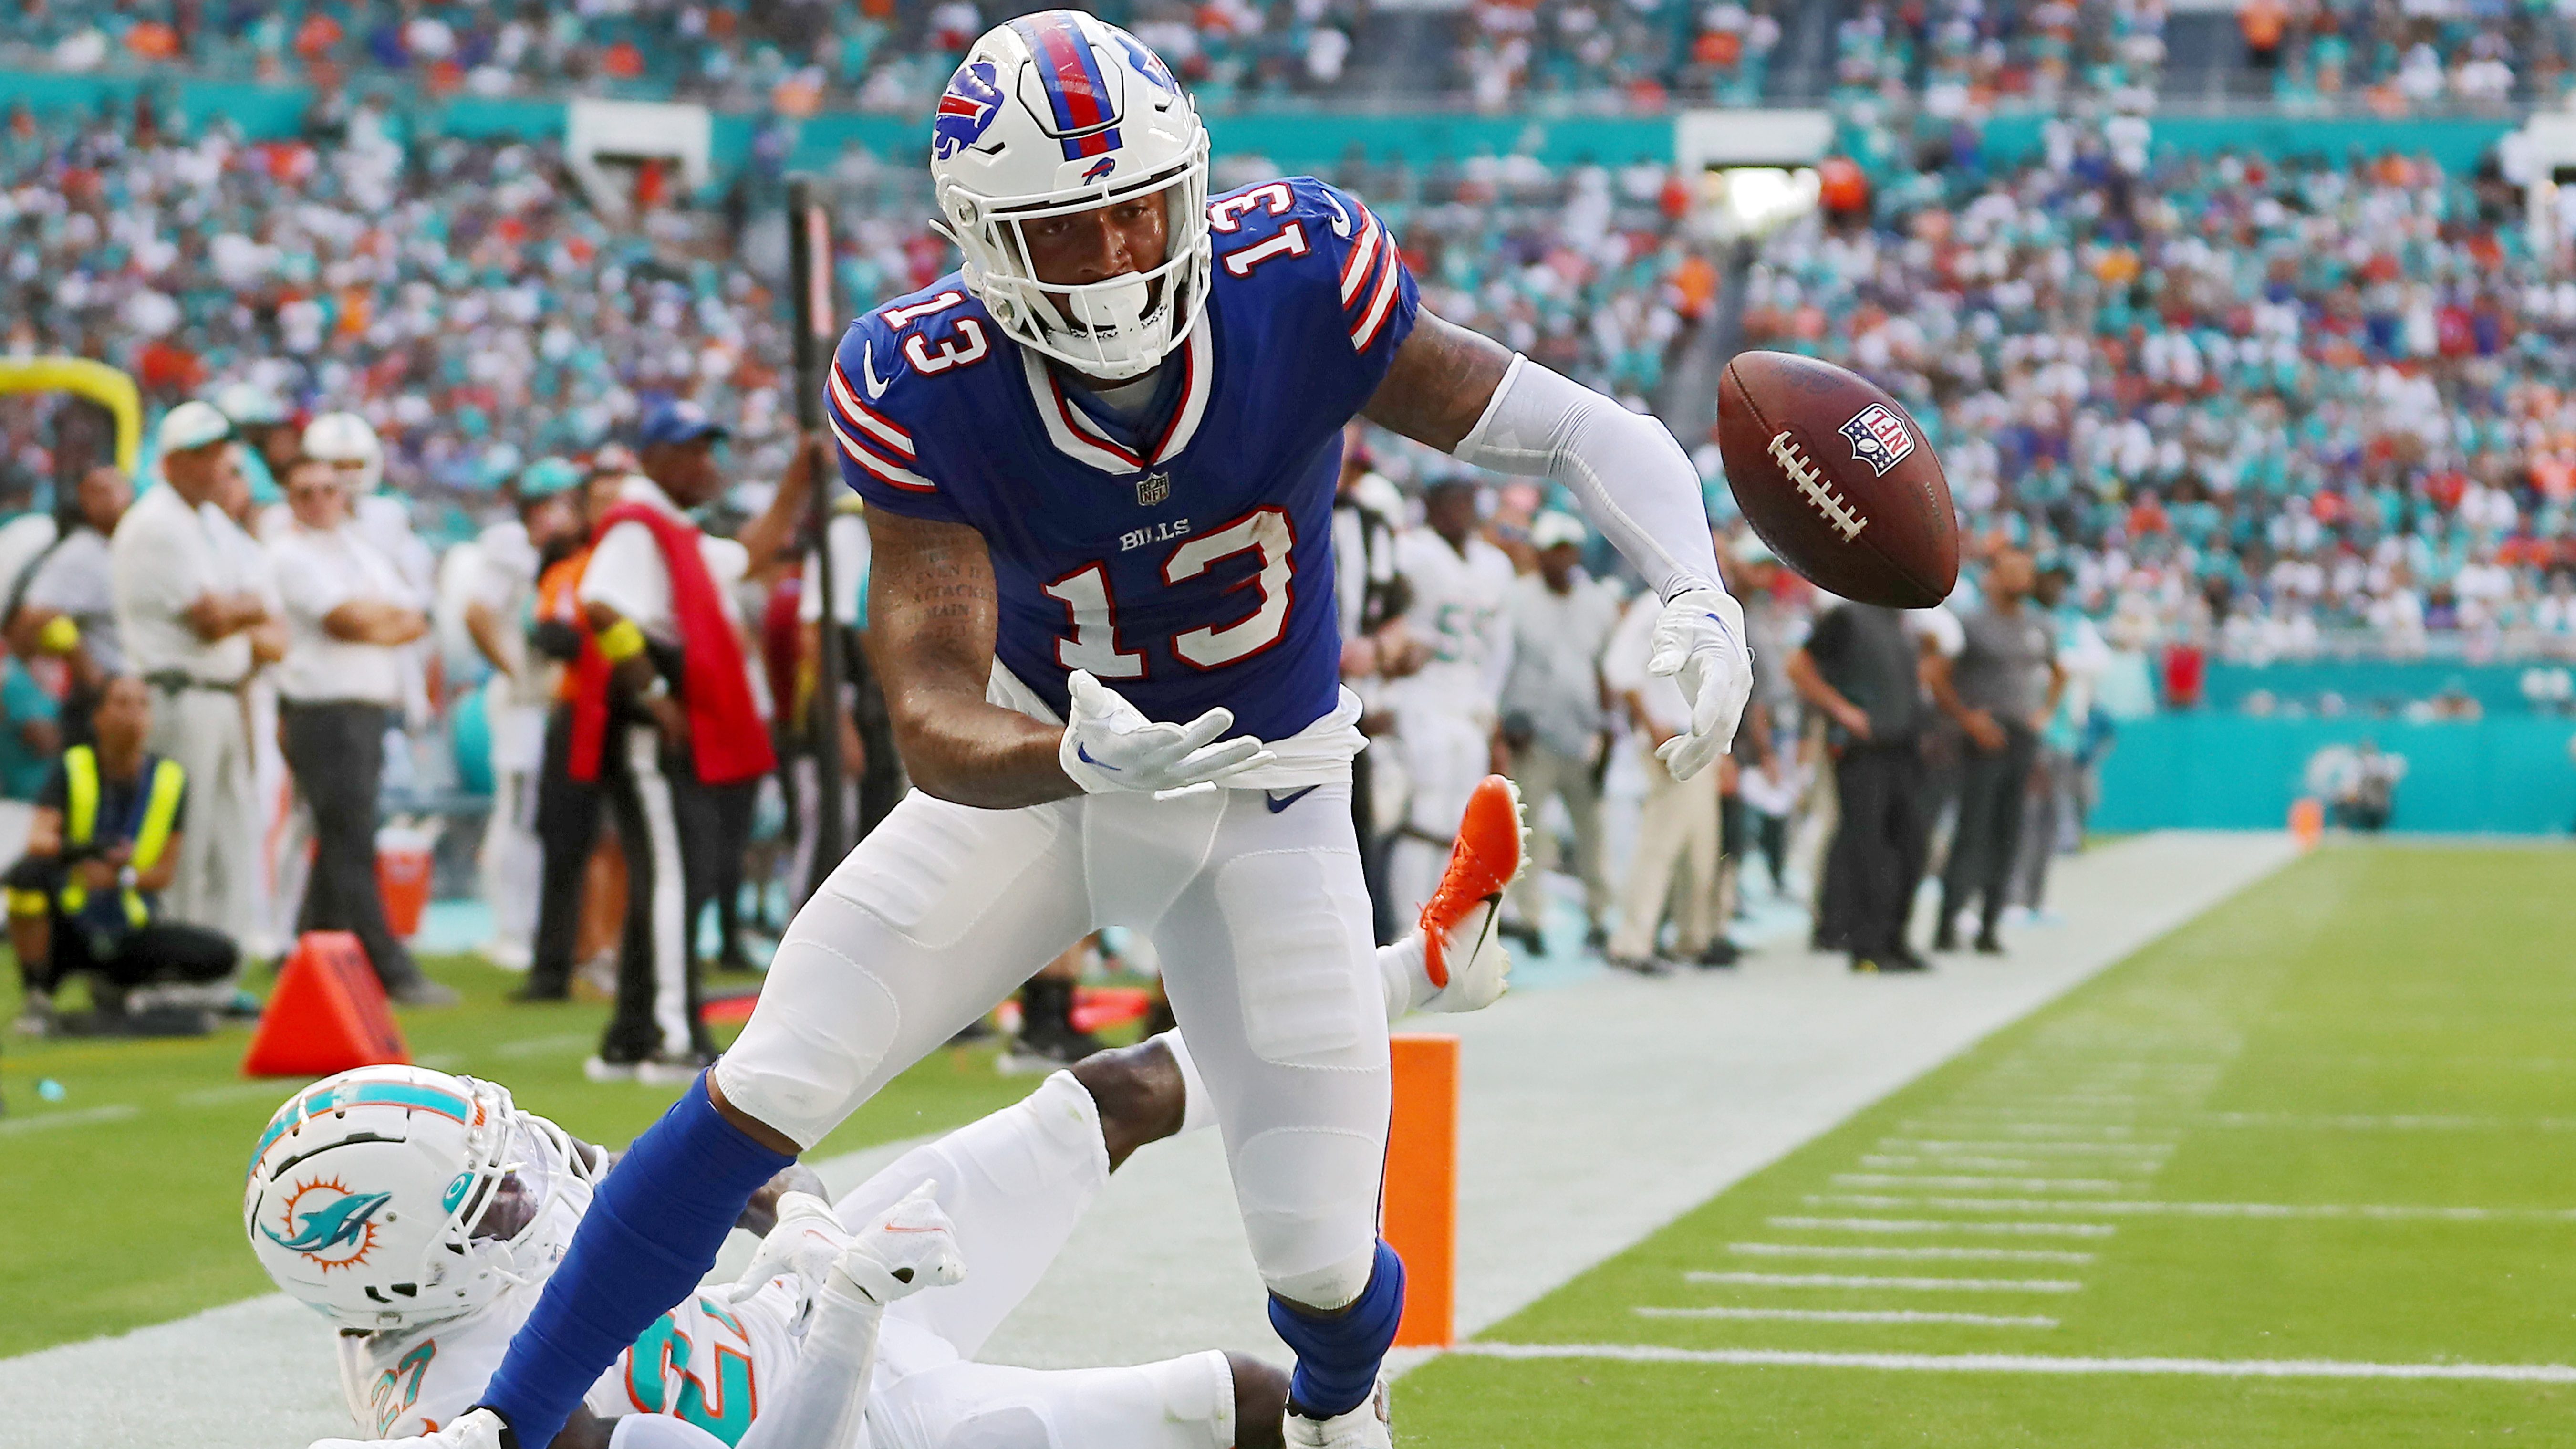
<point>1802,470</point>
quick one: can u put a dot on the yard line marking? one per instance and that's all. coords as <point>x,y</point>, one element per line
<point>2404,1122</point>
<point>2385,1212</point>
<point>1953,1161</point>
<point>1945,1225</point>
<point>2081,1132</point>
<point>1965,1255</point>
<point>537,1046</point>
<point>1997,1363</point>
<point>113,1112</point>
<point>237,1092</point>
<point>1854,1315</point>
<point>1934,1144</point>
<point>2004,1184</point>
<point>1910,1285</point>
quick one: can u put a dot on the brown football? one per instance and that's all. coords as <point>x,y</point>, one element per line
<point>1837,479</point>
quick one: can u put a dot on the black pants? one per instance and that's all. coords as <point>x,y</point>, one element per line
<point>670,828</point>
<point>569,813</point>
<point>336,751</point>
<point>1876,859</point>
<point>1373,852</point>
<point>880,785</point>
<point>715,834</point>
<point>163,951</point>
<point>1988,837</point>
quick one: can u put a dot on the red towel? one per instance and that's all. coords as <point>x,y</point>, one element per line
<point>727,742</point>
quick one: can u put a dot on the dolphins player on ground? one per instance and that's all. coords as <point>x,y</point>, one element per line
<point>423,1213</point>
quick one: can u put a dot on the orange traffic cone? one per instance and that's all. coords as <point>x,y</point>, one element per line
<point>327,1015</point>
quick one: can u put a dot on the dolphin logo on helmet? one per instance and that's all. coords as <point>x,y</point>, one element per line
<point>342,1222</point>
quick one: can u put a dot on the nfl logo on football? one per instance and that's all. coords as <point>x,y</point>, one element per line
<point>1879,438</point>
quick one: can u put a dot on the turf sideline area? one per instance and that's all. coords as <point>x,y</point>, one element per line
<point>1594,1113</point>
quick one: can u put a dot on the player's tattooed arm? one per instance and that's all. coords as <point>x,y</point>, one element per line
<point>1439,384</point>
<point>933,614</point>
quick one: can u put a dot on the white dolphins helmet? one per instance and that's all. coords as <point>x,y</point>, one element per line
<point>1056,113</point>
<point>346,438</point>
<point>391,1197</point>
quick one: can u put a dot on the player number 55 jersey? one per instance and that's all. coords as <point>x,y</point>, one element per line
<point>1182,552</point>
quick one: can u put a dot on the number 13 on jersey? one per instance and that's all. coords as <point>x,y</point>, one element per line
<point>1091,615</point>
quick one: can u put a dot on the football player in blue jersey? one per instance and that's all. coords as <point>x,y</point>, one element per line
<point>1099,460</point>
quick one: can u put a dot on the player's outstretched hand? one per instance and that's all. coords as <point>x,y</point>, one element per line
<point>808,1237</point>
<point>1700,637</point>
<point>912,1247</point>
<point>1110,745</point>
<point>474,1429</point>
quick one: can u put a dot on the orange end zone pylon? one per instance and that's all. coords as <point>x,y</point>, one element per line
<point>327,1015</point>
<point>1421,1206</point>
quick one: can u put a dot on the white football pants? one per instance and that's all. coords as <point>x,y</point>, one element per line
<point>1262,923</point>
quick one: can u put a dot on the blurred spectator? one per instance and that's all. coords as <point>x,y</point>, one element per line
<point>1553,720</point>
<point>1370,598</point>
<point>68,608</point>
<point>1860,668</point>
<point>338,687</point>
<point>2000,688</point>
<point>185,619</point>
<point>31,735</point>
<point>1674,865</point>
<point>105,842</point>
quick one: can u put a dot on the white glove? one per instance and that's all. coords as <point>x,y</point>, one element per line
<point>1110,745</point>
<point>476,1429</point>
<point>807,1238</point>
<point>914,1246</point>
<point>1700,637</point>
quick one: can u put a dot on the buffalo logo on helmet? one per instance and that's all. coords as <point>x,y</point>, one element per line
<point>1147,63</point>
<point>966,109</point>
<point>328,1223</point>
<point>1879,438</point>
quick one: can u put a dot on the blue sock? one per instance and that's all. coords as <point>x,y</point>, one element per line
<point>651,1233</point>
<point>1338,1354</point>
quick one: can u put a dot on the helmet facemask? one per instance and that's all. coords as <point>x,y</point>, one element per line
<point>1117,328</point>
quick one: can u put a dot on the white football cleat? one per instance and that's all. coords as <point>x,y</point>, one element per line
<point>1463,956</point>
<point>1369,1426</point>
<point>914,1246</point>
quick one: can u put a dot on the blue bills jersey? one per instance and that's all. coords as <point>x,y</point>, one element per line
<point>1183,555</point>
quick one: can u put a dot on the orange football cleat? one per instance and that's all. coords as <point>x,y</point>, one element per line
<point>1491,851</point>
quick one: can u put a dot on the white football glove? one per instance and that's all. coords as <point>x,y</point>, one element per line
<point>1110,745</point>
<point>912,1247</point>
<point>807,1238</point>
<point>1700,637</point>
<point>475,1429</point>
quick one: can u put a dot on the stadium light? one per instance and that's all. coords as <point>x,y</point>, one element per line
<point>1752,202</point>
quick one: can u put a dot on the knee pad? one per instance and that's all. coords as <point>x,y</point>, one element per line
<point>1335,1285</point>
<point>801,1070</point>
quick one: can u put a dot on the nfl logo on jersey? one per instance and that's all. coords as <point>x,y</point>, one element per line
<point>1879,438</point>
<point>1152,489</point>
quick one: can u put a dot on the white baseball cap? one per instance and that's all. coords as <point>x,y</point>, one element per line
<point>1550,529</point>
<point>192,425</point>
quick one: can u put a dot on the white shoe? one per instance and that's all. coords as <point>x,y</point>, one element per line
<point>652,1071</point>
<point>509,955</point>
<point>1367,1427</point>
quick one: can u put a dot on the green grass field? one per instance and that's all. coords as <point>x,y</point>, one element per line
<point>2333,1120</point>
<point>122,1201</point>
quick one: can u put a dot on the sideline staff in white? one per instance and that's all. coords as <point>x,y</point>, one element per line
<point>1444,713</point>
<point>1676,826</point>
<point>337,689</point>
<point>186,622</point>
<point>1561,619</point>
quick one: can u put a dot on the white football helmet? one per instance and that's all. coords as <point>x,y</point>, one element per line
<point>1056,113</point>
<point>345,438</point>
<point>391,1197</point>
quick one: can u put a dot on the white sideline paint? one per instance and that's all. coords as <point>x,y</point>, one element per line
<point>1945,1225</point>
<point>1854,1315</point>
<point>1998,1363</point>
<point>1908,1285</point>
<point>1871,1250</point>
<point>112,1112</point>
<point>1614,1102</point>
<point>2388,1212</point>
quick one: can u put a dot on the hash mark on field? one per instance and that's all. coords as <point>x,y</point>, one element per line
<point>1940,1225</point>
<point>112,1112</point>
<point>2266,1368</point>
<point>2007,1184</point>
<point>1966,1255</point>
<point>2384,1212</point>
<point>1910,1285</point>
<point>1854,1315</point>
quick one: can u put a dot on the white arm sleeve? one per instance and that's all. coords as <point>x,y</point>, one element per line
<point>1633,480</point>
<point>827,1391</point>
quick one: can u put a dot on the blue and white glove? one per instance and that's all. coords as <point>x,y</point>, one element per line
<point>1700,638</point>
<point>1110,745</point>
